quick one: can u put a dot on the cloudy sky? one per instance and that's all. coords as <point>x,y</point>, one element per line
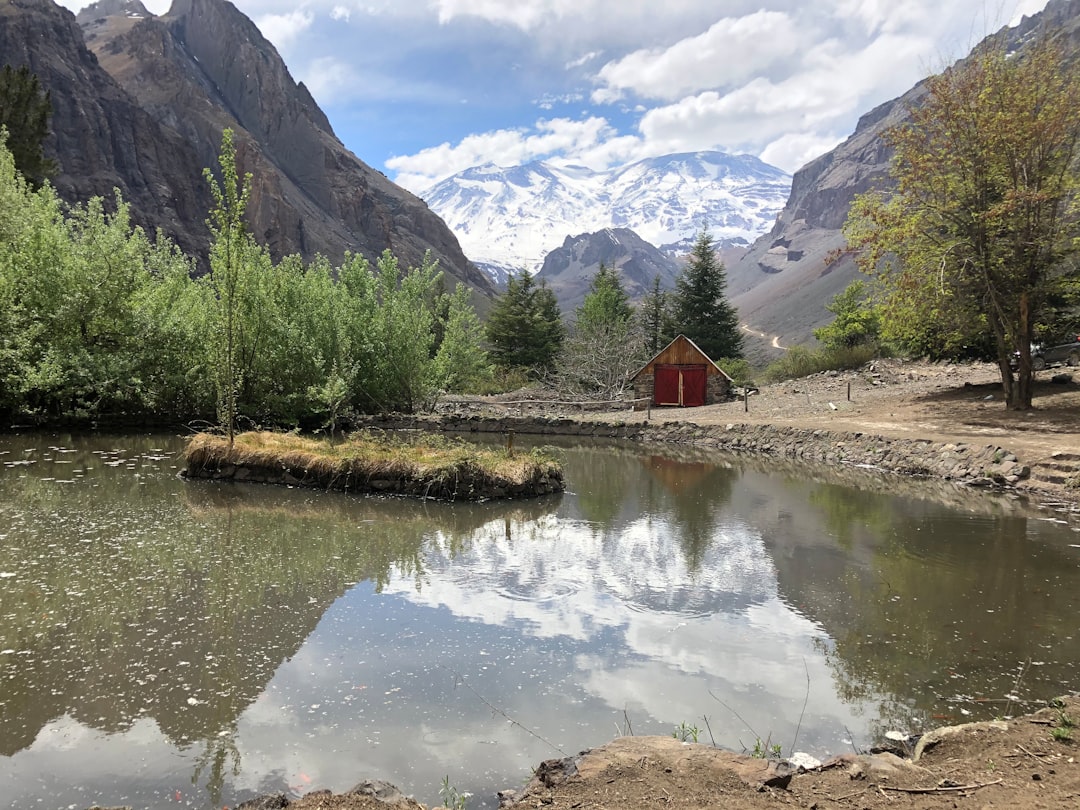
<point>425,88</point>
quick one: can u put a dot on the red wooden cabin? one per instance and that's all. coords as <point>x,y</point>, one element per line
<point>681,374</point>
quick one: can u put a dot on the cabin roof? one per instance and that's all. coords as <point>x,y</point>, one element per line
<point>682,351</point>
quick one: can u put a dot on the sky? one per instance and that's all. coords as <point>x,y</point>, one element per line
<point>422,89</point>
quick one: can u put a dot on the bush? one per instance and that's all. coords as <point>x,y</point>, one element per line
<point>802,362</point>
<point>740,371</point>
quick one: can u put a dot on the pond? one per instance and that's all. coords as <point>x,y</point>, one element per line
<point>167,643</point>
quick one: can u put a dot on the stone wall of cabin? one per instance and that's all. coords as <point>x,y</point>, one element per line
<point>717,389</point>
<point>644,389</point>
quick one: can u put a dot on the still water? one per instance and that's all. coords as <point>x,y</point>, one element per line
<point>167,643</point>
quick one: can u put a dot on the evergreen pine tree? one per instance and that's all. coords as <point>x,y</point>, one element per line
<point>524,328</point>
<point>606,303</point>
<point>701,310</point>
<point>656,319</point>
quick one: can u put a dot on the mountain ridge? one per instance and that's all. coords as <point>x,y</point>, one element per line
<point>569,269</point>
<point>509,218</point>
<point>783,282</point>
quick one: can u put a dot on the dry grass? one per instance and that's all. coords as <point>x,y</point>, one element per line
<point>369,456</point>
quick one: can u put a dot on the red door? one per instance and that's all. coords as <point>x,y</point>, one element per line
<point>693,386</point>
<point>666,386</point>
<point>679,385</point>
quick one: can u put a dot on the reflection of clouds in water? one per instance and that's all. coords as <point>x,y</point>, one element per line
<point>757,663</point>
<point>81,766</point>
<point>66,733</point>
<point>686,638</point>
<point>566,578</point>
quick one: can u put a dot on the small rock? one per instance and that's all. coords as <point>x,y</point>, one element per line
<point>804,762</point>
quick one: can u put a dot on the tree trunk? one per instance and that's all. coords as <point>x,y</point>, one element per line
<point>1018,396</point>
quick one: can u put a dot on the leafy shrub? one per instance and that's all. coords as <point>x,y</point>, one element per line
<point>800,361</point>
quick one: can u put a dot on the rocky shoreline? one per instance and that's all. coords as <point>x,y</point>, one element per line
<point>986,466</point>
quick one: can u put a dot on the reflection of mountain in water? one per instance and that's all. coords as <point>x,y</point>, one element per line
<point>122,605</point>
<point>652,536</point>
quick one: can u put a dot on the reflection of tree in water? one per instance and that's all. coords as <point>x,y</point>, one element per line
<point>931,610</point>
<point>694,494</point>
<point>845,516</point>
<point>604,483</point>
<point>218,751</point>
<point>132,602</point>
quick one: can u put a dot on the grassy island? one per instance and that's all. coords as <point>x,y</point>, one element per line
<point>427,466</point>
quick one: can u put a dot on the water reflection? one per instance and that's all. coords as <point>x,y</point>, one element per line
<point>164,641</point>
<point>934,615</point>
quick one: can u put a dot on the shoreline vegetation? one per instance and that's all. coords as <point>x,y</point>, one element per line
<point>421,466</point>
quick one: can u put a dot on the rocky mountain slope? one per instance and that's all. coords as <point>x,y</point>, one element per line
<point>568,270</point>
<point>101,137</point>
<point>142,108</point>
<point>782,284</point>
<point>508,219</point>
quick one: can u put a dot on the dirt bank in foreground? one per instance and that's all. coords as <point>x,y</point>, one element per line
<point>1021,763</point>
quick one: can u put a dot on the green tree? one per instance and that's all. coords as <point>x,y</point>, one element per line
<point>606,302</point>
<point>983,216</point>
<point>605,346</point>
<point>24,113</point>
<point>700,309</point>
<point>857,321</point>
<point>404,331</point>
<point>461,364</point>
<point>524,328</point>
<point>230,252</point>
<point>656,319</point>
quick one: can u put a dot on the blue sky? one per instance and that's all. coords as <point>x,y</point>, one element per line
<point>421,89</point>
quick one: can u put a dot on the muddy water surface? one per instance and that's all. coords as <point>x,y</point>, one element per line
<point>167,643</point>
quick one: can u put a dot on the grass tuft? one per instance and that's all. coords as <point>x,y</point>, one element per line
<point>371,456</point>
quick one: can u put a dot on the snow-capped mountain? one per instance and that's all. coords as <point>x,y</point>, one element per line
<point>507,219</point>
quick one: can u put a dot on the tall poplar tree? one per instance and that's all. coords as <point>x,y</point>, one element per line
<point>228,257</point>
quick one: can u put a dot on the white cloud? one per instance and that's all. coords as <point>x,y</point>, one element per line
<point>582,60</point>
<point>524,15</point>
<point>282,28</point>
<point>732,50</point>
<point>504,147</point>
<point>884,16</point>
<point>794,150</point>
<point>340,13</point>
<point>330,80</point>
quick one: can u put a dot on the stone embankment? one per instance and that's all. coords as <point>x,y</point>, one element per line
<point>985,465</point>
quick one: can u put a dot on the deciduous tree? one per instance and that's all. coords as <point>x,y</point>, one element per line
<point>230,251</point>
<point>605,346</point>
<point>983,215</point>
<point>857,321</point>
